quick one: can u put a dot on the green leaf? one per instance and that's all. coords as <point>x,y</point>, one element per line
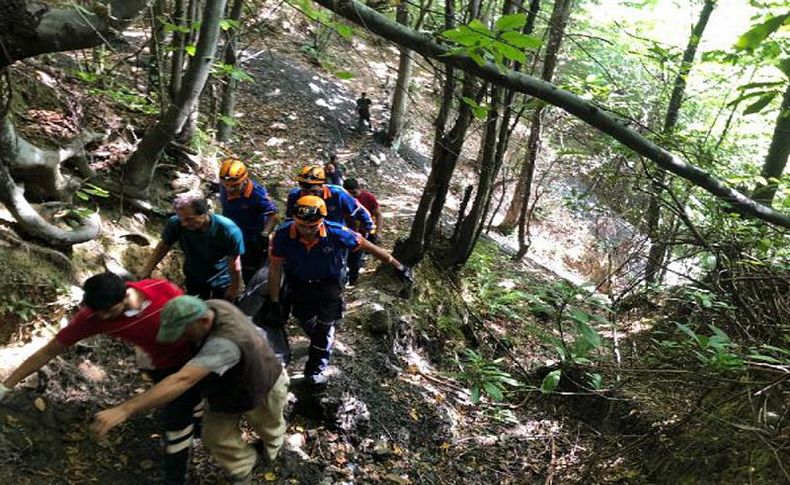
<point>190,49</point>
<point>760,32</point>
<point>596,380</point>
<point>589,334</point>
<point>343,30</point>
<point>511,22</point>
<point>510,52</point>
<point>688,331</point>
<point>480,27</point>
<point>82,195</point>
<point>226,24</point>
<point>551,381</point>
<point>522,41</point>
<point>344,75</point>
<point>227,120</point>
<point>765,358</point>
<point>761,103</point>
<point>493,390</point>
<point>475,395</point>
<point>771,84</point>
<point>784,66</point>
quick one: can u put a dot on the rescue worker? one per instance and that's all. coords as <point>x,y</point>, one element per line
<point>363,112</point>
<point>246,202</point>
<point>356,260</point>
<point>334,174</point>
<point>130,311</point>
<point>310,250</point>
<point>237,374</point>
<point>212,246</point>
<point>340,204</point>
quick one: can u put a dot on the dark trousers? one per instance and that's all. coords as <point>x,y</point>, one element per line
<point>356,261</point>
<point>181,418</point>
<point>205,291</point>
<point>317,306</point>
<point>255,252</point>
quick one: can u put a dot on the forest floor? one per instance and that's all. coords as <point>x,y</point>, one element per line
<point>398,409</point>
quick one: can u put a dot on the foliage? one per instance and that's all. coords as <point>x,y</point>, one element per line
<point>484,376</point>
<point>504,43</point>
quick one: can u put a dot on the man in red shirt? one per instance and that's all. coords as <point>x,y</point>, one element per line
<point>356,260</point>
<point>130,312</point>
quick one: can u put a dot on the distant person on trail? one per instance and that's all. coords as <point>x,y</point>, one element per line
<point>236,372</point>
<point>310,250</point>
<point>363,112</point>
<point>130,311</point>
<point>212,246</point>
<point>247,203</point>
<point>334,175</point>
<point>340,204</point>
<point>356,259</point>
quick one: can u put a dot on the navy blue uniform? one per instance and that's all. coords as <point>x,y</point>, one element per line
<point>339,206</point>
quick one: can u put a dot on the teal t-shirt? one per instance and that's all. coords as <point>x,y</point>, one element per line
<point>208,252</point>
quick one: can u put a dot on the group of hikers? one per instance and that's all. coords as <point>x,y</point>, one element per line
<point>210,364</point>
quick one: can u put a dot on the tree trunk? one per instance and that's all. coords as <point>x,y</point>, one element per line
<point>776,159</point>
<point>24,33</point>
<point>155,60</point>
<point>401,96</point>
<point>517,211</point>
<point>467,237</point>
<point>658,249</point>
<point>177,44</point>
<point>140,167</point>
<point>228,102</point>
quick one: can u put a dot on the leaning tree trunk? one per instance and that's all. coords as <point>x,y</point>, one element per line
<point>228,102</point>
<point>190,126</point>
<point>142,164</point>
<point>462,247</point>
<point>658,249</point>
<point>776,159</point>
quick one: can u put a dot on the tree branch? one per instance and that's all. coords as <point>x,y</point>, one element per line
<point>591,114</point>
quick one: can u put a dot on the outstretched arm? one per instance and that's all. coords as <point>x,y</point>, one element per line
<point>381,254</point>
<point>162,393</point>
<point>39,359</point>
<point>159,253</point>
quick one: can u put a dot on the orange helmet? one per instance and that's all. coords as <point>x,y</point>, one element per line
<point>232,172</point>
<point>312,175</point>
<point>309,209</point>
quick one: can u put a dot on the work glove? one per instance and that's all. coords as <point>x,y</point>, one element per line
<point>274,314</point>
<point>405,274</point>
<point>3,391</point>
<point>374,238</point>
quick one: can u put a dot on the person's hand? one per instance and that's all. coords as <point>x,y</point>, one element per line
<point>274,313</point>
<point>106,420</point>
<point>374,238</point>
<point>405,274</point>
<point>3,392</point>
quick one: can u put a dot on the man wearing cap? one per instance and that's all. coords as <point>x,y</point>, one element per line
<point>130,311</point>
<point>212,246</point>
<point>311,248</point>
<point>340,205</point>
<point>356,260</point>
<point>246,202</point>
<point>236,372</point>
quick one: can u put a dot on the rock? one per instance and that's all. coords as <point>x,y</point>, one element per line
<point>380,320</point>
<point>40,404</point>
<point>279,126</point>
<point>382,450</point>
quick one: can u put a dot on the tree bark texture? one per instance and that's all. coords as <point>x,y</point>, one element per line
<point>776,159</point>
<point>658,249</point>
<point>228,102</point>
<point>142,164</point>
<point>517,211</point>
<point>595,116</point>
<point>401,97</point>
<point>177,44</point>
<point>28,29</point>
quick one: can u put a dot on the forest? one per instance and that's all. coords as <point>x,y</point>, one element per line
<point>584,215</point>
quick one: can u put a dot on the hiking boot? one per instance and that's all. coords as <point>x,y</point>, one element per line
<point>317,381</point>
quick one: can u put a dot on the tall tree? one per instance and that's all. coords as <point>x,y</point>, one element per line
<point>401,96</point>
<point>776,159</point>
<point>658,249</point>
<point>517,212</point>
<point>228,101</point>
<point>142,164</point>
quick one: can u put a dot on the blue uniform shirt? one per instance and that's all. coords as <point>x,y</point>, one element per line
<point>321,260</point>
<point>206,253</point>
<point>339,204</point>
<point>249,210</point>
